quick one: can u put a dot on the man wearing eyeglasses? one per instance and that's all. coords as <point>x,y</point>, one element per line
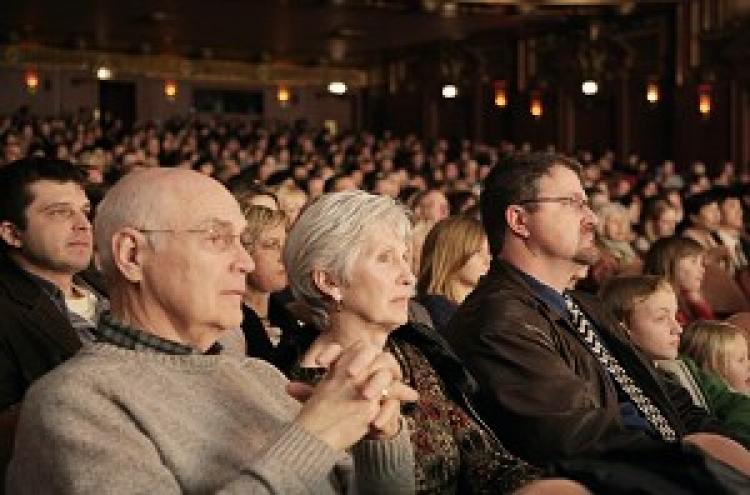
<point>46,308</point>
<point>155,406</point>
<point>558,376</point>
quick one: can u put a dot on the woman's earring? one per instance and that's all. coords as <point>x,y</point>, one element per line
<point>337,304</point>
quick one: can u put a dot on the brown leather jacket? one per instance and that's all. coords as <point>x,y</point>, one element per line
<point>541,390</point>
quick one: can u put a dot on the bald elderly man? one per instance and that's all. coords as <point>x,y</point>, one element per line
<point>154,406</point>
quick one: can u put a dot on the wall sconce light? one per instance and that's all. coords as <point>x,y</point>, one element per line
<point>283,95</point>
<point>170,89</point>
<point>536,108</point>
<point>103,73</point>
<point>337,88</point>
<point>501,94</point>
<point>589,87</point>
<point>704,99</point>
<point>449,91</point>
<point>31,80</point>
<point>652,92</point>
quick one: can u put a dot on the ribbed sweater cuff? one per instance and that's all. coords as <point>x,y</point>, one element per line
<point>391,461</point>
<point>301,454</point>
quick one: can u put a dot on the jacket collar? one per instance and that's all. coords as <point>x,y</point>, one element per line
<point>18,284</point>
<point>507,276</point>
<point>25,291</point>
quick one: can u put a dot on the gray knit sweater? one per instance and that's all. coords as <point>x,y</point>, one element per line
<point>112,420</point>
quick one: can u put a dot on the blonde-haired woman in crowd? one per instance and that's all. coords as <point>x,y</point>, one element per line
<point>454,257</point>
<point>291,201</point>
<point>271,331</point>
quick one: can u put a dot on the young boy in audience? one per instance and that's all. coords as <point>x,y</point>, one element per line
<point>646,306</point>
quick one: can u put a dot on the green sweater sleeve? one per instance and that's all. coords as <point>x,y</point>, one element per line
<point>731,408</point>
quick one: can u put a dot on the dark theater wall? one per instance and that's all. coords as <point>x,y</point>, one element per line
<point>678,48</point>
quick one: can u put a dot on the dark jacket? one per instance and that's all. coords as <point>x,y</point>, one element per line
<point>542,391</point>
<point>35,336</point>
<point>296,336</point>
<point>440,308</point>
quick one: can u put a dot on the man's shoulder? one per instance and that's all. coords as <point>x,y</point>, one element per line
<point>501,295</point>
<point>500,309</point>
<point>15,285</point>
<point>88,365</point>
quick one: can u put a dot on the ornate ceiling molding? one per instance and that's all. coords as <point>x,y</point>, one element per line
<point>165,67</point>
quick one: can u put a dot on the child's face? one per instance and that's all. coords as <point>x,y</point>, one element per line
<point>689,273</point>
<point>737,373</point>
<point>653,327</point>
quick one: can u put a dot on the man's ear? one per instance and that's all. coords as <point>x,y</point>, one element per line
<point>10,234</point>
<point>516,218</point>
<point>128,249</point>
<point>327,284</point>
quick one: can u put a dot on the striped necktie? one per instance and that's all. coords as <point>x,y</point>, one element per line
<point>643,403</point>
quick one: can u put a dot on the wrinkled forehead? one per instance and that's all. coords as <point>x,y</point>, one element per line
<point>204,205</point>
<point>381,235</point>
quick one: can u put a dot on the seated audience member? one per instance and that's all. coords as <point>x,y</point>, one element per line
<point>47,308</point>
<point>347,262</point>
<point>703,218</point>
<point>646,305</point>
<point>614,235</point>
<point>48,304</point>
<point>673,196</point>
<point>454,256</point>
<point>339,182</point>
<point>430,206</point>
<point>731,232</point>
<point>681,262</point>
<point>659,221</point>
<point>271,331</point>
<point>557,376</point>
<point>151,406</point>
<point>720,348</point>
<point>461,201</point>
<point>291,202</point>
<point>257,195</point>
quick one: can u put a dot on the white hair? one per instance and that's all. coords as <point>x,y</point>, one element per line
<point>329,235</point>
<point>609,210</point>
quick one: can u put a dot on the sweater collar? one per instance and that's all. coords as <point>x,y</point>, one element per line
<point>113,332</point>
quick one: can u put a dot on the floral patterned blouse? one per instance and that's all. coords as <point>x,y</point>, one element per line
<point>454,454</point>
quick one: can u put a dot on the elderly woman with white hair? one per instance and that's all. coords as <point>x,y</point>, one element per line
<point>614,237</point>
<point>615,233</point>
<point>348,264</point>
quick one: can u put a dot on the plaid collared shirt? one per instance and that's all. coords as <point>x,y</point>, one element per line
<point>115,333</point>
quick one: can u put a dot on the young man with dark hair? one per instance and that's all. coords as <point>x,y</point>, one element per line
<point>46,241</point>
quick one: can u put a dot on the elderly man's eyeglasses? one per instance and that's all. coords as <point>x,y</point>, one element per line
<point>215,239</point>
<point>580,204</point>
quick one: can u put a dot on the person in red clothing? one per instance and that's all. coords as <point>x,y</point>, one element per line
<point>681,261</point>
